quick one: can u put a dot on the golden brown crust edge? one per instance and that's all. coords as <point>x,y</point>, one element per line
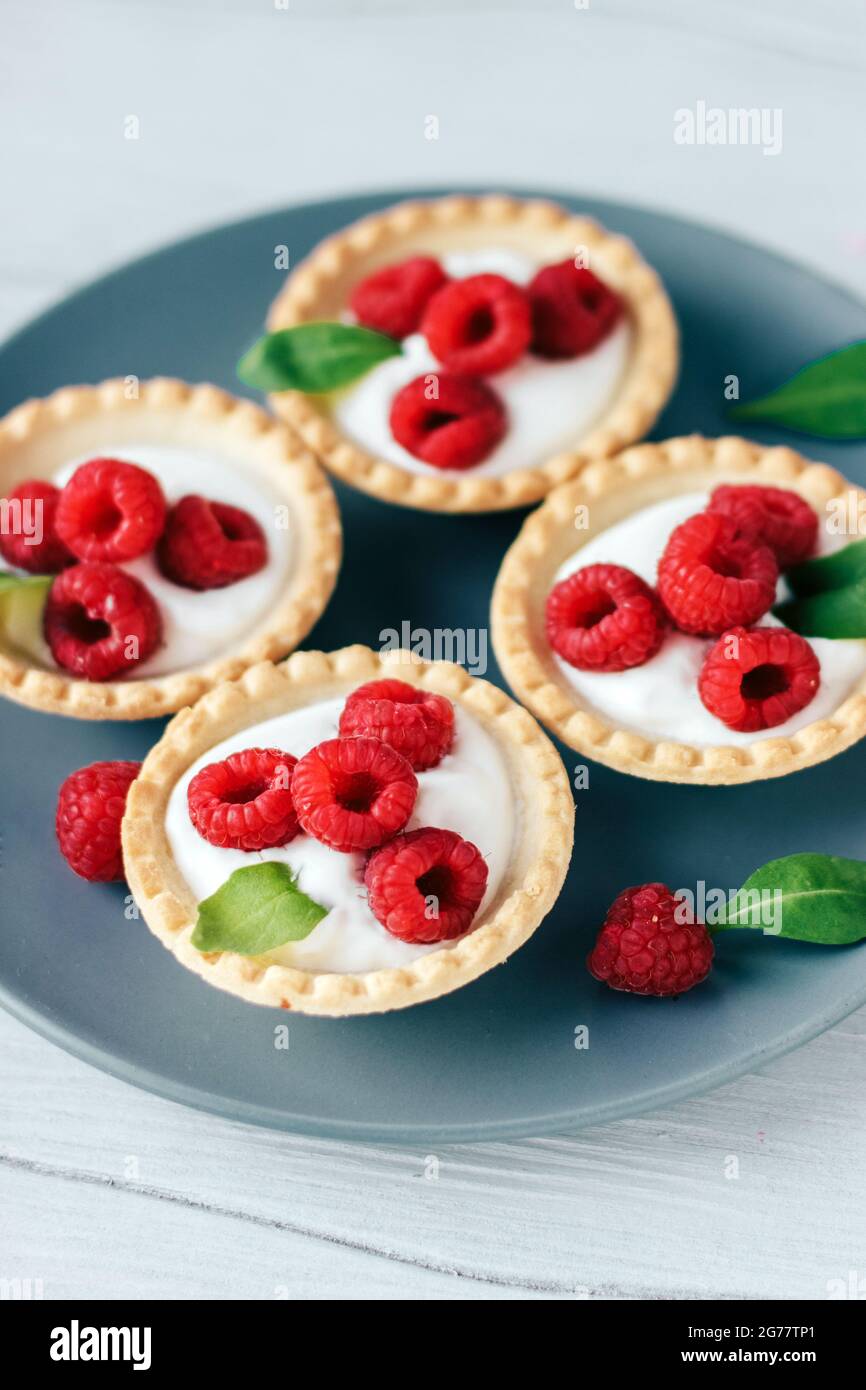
<point>529,891</point>
<point>318,289</point>
<point>612,489</point>
<point>83,412</point>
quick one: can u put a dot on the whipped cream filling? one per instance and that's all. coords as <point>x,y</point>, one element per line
<point>198,626</point>
<point>660,699</point>
<point>549,405</point>
<point>469,792</point>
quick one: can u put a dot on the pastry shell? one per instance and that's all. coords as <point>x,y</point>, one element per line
<point>612,490</point>
<point>320,286</point>
<point>39,436</point>
<point>533,879</point>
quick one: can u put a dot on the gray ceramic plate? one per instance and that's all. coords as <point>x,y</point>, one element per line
<point>497,1058</point>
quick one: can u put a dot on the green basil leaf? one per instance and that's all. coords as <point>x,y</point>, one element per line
<point>836,571</point>
<point>839,613</point>
<point>314,357</point>
<point>826,398</point>
<point>15,583</point>
<point>257,909</point>
<point>804,897</point>
<point>22,604</point>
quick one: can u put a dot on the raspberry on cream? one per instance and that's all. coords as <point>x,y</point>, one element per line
<point>31,542</point>
<point>100,622</point>
<point>479,325</point>
<point>353,793</point>
<point>392,300</point>
<point>410,874</point>
<point>468,792</point>
<point>110,510</point>
<point>775,516</point>
<point>209,545</point>
<point>197,626</point>
<point>417,723</point>
<point>660,698</point>
<point>546,404</point>
<point>245,801</point>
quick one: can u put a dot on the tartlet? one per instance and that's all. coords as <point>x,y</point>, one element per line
<point>320,287</point>
<point>606,493</point>
<point>40,437</point>
<point>533,875</point>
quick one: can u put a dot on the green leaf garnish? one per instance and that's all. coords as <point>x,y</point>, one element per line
<point>22,603</point>
<point>826,398</point>
<point>257,909</point>
<point>839,613</point>
<point>836,571</point>
<point>314,357</point>
<point>15,583</point>
<point>804,897</point>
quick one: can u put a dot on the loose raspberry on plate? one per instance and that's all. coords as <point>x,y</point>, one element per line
<point>28,536</point>
<point>90,808</point>
<point>448,421</point>
<point>353,793</point>
<point>710,579</point>
<point>773,516</point>
<point>426,885</point>
<point>604,618</point>
<point>758,678</point>
<point>110,510</point>
<point>100,622</point>
<point>245,801</point>
<point>479,325</point>
<point>418,723</point>
<point>393,300</point>
<point>208,545</point>
<point>645,948</point>
<point>572,310</point>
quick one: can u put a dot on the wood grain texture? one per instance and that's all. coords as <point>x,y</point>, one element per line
<point>114,1193</point>
<point>107,1192</point>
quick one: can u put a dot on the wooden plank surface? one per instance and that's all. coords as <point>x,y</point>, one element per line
<point>755,1190</point>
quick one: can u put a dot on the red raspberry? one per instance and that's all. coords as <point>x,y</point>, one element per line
<point>457,428</point>
<point>30,508</point>
<point>110,511</point>
<point>479,325</point>
<point>393,300</point>
<point>353,793</point>
<point>710,579</point>
<point>604,618</point>
<point>89,811</point>
<point>418,723</point>
<point>757,678</point>
<point>572,310</point>
<point>245,801</point>
<point>208,545</point>
<point>644,946</point>
<point>426,885</point>
<point>773,516</point>
<point>100,621</point>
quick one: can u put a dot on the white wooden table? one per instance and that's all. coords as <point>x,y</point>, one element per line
<point>107,1192</point>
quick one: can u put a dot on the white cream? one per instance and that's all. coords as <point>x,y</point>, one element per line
<point>549,404</point>
<point>660,698</point>
<point>198,626</point>
<point>469,792</point>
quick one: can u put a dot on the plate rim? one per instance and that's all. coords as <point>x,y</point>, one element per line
<point>236,1109</point>
<point>559,1122</point>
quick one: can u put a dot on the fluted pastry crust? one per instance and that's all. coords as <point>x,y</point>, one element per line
<point>320,286</point>
<point>611,490</point>
<point>41,435</point>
